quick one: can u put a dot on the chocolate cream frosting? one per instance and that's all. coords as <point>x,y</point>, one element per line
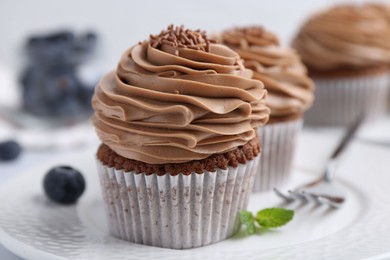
<point>290,91</point>
<point>178,98</point>
<point>381,8</point>
<point>346,36</point>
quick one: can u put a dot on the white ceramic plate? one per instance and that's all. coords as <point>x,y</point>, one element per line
<point>35,228</point>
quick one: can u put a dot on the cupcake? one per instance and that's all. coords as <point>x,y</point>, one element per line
<point>290,94</point>
<point>347,52</point>
<point>383,10</point>
<point>178,120</point>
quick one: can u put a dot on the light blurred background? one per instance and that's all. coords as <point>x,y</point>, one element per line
<point>120,24</point>
<point>123,23</point>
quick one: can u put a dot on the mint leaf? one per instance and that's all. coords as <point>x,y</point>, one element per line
<point>248,220</point>
<point>274,217</point>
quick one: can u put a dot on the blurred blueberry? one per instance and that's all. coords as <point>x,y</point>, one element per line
<point>60,37</point>
<point>90,36</point>
<point>9,150</point>
<point>64,184</point>
<point>51,85</point>
<point>36,41</point>
<point>87,97</point>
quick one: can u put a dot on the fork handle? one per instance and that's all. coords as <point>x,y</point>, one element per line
<point>347,137</point>
<point>328,175</point>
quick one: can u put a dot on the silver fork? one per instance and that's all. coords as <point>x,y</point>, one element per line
<point>322,191</point>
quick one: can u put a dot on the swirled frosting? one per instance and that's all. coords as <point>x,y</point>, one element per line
<point>290,91</point>
<point>382,9</point>
<point>167,103</point>
<point>345,37</point>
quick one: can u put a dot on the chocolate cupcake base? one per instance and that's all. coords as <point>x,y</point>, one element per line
<point>179,210</point>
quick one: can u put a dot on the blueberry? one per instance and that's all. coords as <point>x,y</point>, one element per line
<point>35,41</point>
<point>90,40</point>
<point>51,86</point>
<point>60,37</point>
<point>64,184</point>
<point>9,150</point>
<point>86,96</point>
<point>90,36</point>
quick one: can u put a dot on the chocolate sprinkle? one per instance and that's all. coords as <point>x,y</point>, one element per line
<point>180,37</point>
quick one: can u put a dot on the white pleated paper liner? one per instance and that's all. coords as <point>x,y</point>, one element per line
<point>177,212</point>
<point>338,102</point>
<point>278,142</point>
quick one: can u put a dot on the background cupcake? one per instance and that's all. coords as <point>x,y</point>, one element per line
<point>347,51</point>
<point>381,8</point>
<point>290,93</point>
<point>178,122</point>
<point>384,10</point>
